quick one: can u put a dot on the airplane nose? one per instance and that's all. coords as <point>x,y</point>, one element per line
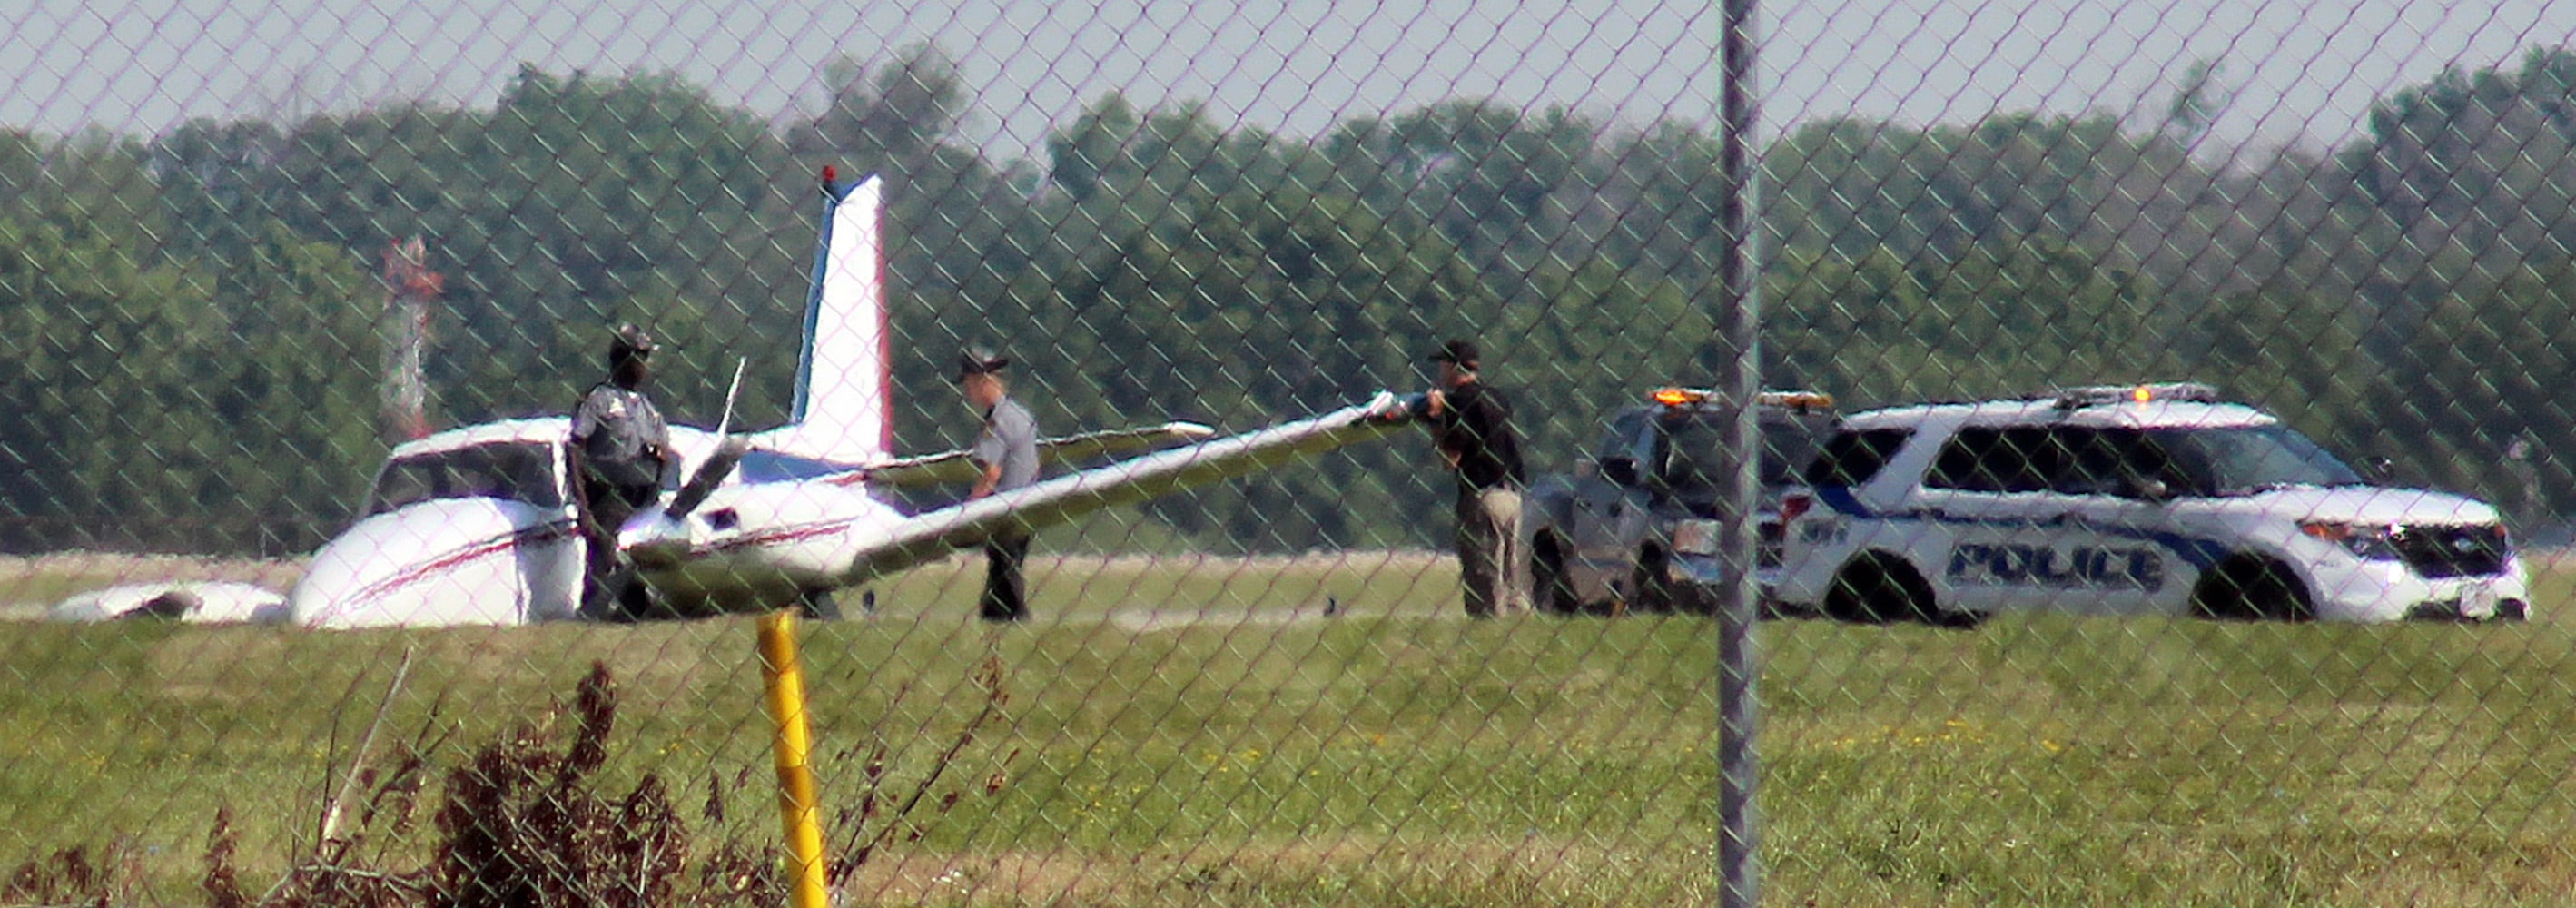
<point>659,554</point>
<point>656,544</point>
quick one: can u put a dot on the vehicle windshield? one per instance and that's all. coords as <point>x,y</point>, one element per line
<point>2247,459</point>
<point>1698,461</point>
<point>510,471</point>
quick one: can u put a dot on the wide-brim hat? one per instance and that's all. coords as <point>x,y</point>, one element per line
<point>630,341</point>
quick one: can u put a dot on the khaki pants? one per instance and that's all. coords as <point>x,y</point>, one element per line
<point>1491,565</point>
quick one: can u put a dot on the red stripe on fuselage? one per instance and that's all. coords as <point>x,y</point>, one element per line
<point>774,537</point>
<point>488,548</point>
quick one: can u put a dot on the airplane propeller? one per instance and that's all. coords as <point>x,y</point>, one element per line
<point>729,453</point>
<point>710,475</point>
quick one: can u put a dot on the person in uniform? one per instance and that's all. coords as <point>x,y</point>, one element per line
<point>620,451</point>
<point>1006,452</point>
<point>1471,425</point>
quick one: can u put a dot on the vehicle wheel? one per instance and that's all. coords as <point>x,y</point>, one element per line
<point>1877,589</point>
<point>1552,592</point>
<point>818,605</point>
<point>2251,589</point>
<point>1650,586</point>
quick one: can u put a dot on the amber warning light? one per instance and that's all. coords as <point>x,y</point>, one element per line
<point>1804,400</point>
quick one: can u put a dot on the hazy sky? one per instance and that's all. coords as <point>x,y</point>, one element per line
<point>2302,70</point>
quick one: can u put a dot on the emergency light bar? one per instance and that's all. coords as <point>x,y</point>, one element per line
<point>1796,400</point>
<point>2099,395</point>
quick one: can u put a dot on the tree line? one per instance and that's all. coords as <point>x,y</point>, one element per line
<point>188,321</point>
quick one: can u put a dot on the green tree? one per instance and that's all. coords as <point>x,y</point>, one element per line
<point>103,368</point>
<point>2484,371</point>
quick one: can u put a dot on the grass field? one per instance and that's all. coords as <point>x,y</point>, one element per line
<point>1198,731</point>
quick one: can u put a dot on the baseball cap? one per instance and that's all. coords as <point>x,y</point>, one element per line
<point>1458,351</point>
<point>980,361</point>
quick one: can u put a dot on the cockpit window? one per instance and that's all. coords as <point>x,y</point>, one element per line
<point>508,471</point>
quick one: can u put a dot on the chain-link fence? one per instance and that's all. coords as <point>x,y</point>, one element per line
<point>2110,349</point>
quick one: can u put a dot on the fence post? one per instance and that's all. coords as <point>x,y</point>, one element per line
<point>784,682</point>
<point>1739,336</point>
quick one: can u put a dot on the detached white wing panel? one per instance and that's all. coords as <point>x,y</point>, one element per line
<point>929,535</point>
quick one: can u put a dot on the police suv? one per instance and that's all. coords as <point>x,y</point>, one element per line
<point>2158,499</point>
<point>1636,526</point>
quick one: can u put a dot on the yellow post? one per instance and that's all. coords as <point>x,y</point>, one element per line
<point>786,687</point>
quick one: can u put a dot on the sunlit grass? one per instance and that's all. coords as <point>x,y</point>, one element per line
<point>1197,731</point>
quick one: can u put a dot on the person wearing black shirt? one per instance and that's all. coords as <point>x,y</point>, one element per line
<point>619,453</point>
<point>1471,424</point>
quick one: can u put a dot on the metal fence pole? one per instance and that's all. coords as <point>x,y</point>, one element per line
<point>799,808</point>
<point>1739,335</point>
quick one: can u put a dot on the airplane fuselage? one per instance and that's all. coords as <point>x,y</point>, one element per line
<point>445,562</point>
<point>472,526</point>
<point>757,545</point>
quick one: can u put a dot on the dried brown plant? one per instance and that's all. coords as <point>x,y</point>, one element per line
<point>520,825</point>
<point>880,816</point>
<point>70,876</point>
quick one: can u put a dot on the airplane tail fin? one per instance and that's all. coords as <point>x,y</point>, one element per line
<point>844,408</point>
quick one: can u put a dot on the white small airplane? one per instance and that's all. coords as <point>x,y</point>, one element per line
<point>474,526</point>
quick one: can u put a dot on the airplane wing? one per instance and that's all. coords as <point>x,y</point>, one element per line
<point>932,534</point>
<point>955,467</point>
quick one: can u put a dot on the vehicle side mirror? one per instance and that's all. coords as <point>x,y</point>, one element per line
<point>1621,470</point>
